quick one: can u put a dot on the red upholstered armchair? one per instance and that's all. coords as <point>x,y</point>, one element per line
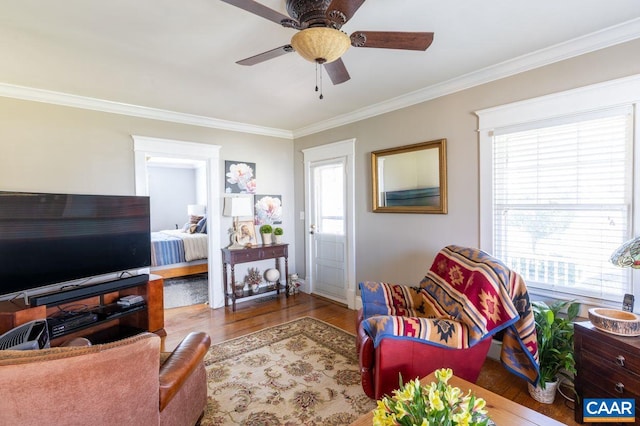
<point>446,322</point>
<point>382,366</point>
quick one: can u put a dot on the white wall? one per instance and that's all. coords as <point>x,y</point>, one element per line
<point>171,190</point>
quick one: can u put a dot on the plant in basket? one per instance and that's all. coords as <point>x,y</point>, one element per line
<point>555,346</point>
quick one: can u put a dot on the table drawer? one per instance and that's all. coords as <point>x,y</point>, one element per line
<point>621,358</point>
<point>608,376</point>
<point>241,256</point>
<point>272,252</point>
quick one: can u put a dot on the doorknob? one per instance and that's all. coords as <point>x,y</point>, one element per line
<point>312,229</point>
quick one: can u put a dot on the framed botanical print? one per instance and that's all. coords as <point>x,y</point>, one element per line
<point>268,209</point>
<point>240,177</point>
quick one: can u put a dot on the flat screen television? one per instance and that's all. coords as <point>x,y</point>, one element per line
<point>47,239</point>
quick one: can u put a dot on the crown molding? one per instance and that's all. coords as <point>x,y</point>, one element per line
<point>621,33</point>
<point>607,37</point>
<point>82,102</point>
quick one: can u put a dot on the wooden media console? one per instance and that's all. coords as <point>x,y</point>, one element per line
<point>113,321</point>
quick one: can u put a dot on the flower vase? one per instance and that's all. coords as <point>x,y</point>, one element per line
<point>255,287</point>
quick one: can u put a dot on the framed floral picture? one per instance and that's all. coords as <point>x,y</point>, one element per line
<point>246,233</point>
<point>268,209</point>
<point>240,177</point>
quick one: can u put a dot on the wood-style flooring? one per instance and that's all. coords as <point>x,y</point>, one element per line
<point>223,324</point>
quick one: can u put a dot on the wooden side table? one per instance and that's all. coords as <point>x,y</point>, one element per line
<point>501,410</point>
<point>608,366</point>
<point>252,254</point>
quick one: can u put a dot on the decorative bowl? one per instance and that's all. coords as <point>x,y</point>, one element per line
<point>615,321</point>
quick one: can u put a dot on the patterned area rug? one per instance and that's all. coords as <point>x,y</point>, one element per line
<point>304,372</point>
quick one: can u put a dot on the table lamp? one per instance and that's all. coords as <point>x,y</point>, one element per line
<point>196,209</point>
<point>628,254</point>
<point>236,206</point>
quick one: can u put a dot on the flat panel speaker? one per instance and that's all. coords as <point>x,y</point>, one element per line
<point>86,291</point>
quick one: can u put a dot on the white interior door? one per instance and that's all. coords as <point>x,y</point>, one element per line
<point>328,229</point>
<point>329,221</point>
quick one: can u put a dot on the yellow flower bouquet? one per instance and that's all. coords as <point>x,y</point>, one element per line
<point>436,404</point>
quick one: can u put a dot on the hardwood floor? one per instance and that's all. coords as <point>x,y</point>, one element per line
<point>223,324</point>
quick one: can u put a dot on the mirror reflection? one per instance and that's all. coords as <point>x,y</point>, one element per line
<point>410,179</point>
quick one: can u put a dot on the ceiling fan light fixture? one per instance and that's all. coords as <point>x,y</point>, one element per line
<point>320,44</point>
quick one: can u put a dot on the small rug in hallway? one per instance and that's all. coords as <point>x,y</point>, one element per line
<point>186,291</point>
<point>304,372</point>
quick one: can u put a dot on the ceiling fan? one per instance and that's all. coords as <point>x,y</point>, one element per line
<point>320,39</point>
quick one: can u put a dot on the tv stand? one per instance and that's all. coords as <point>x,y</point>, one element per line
<point>99,298</point>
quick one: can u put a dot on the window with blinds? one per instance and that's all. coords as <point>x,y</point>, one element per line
<point>562,197</point>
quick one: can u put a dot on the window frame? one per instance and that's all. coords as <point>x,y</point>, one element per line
<point>549,108</point>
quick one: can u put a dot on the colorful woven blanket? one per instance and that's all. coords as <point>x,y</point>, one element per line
<point>466,296</point>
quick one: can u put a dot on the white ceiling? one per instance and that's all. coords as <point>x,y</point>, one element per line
<point>180,56</point>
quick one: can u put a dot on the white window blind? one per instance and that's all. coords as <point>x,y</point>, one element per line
<point>562,196</point>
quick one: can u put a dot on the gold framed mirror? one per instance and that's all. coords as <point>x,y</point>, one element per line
<point>411,178</point>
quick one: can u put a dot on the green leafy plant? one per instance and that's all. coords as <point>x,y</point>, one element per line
<point>266,229</point>
<point>278,231</point>
<point>555,339</point>
<point>434,404</point>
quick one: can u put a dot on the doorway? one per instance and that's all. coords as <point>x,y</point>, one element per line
<point>146,148</point>
<point>329,219</point>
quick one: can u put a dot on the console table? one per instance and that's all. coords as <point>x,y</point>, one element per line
<point>252,254</point>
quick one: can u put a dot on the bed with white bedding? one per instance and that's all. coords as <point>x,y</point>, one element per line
<point>177,253</point>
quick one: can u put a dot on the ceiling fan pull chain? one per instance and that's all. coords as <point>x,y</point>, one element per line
<point>319,70</point>
<point>316,76</point>
<point>321,95</point>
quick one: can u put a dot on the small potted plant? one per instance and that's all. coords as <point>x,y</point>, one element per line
<point>277,235</point>
<point>555,346</point>
<point>266,232</point>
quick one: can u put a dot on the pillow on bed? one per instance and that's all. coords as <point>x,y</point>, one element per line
<point>193,223</point>
<point>201,226</point>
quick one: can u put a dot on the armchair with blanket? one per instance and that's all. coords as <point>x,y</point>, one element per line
<point>126,382</point>
<point>446,322</point>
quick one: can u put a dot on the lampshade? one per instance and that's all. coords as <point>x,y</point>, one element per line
<point>628,254</point>
<point>237,206</point>
<point>196,209</point>
<point>319,44</point>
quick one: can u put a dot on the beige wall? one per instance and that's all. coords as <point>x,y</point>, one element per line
<point>49,148</point>
<point>60,149</point>
<point>400,247</point>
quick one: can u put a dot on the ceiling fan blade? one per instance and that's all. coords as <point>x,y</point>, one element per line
<point>259,9</point>
<point>392,40</point>
<point>337,71</point>
<point>265,56</point>
<point>340,11</point>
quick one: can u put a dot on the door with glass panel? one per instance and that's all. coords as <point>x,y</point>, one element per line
<point>327,229</point>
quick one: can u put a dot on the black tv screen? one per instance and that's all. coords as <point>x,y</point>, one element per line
<point>47,239</point>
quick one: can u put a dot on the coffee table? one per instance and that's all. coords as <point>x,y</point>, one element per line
<point>501,410</point>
